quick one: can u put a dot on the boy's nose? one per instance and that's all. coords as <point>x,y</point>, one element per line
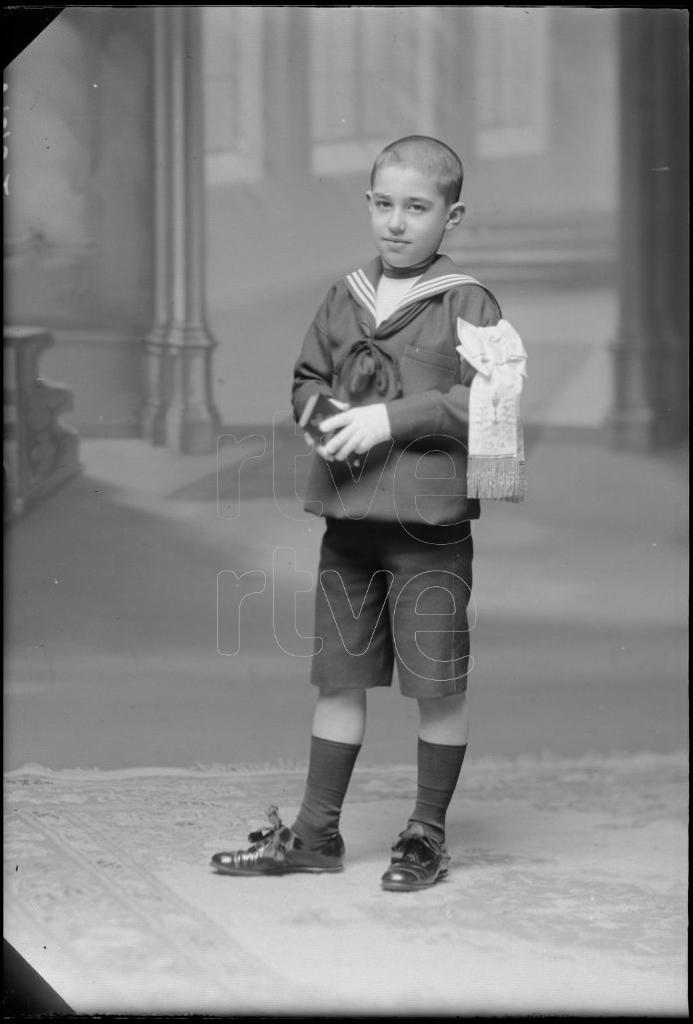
<point>396,222</point>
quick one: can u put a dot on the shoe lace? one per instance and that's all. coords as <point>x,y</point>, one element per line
<point>262,834</point>
<point>417,847</point>
<point>267,840</point>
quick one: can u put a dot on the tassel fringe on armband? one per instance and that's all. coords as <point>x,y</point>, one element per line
<point>496,467</point>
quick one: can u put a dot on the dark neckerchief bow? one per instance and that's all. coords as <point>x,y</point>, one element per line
<point>366,365</point>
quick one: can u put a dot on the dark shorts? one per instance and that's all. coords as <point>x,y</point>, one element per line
<point>389,593</point>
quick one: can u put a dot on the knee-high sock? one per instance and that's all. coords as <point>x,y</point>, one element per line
<point>439,767</point>
<point>329,773</point>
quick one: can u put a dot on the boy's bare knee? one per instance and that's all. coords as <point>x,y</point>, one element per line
<point>444,719</point>
<point>341,715</point>
<point>347,697</point>
<point>441,707</point>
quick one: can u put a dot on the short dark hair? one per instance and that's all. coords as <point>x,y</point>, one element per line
<point>429,155</point>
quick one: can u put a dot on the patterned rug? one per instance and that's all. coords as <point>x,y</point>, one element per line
<point>567,893</point>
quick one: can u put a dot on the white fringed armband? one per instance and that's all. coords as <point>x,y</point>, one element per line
<point>496,458</point>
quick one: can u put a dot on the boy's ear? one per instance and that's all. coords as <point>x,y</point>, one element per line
<point>369,197</point>
<point>455,215</point>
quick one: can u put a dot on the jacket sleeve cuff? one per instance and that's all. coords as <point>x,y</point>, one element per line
<point>413,416</point>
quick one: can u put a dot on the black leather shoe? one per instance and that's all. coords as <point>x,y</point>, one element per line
<point>279,851</point>
<point>418,861</point>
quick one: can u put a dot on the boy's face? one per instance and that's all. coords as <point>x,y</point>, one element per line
<point>409,216</point>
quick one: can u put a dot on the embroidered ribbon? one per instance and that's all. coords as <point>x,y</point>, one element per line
<point>367,364</point>
<point>496,461</point>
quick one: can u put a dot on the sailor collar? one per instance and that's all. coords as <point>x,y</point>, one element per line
<point>441,276</point>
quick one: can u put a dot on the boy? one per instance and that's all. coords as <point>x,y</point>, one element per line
<point>389,476</point>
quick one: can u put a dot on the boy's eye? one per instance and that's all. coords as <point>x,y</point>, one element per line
<point>382,204</point>
<point>416,207</point>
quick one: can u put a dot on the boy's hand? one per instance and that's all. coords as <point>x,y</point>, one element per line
<point>311,441</point>
<point>355,430</point>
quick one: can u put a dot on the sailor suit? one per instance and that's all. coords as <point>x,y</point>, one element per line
<point>410,362</point>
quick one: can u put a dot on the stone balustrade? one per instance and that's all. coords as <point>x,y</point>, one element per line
<point>39,452</point>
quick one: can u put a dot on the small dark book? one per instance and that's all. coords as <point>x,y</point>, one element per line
<point>318,408</point>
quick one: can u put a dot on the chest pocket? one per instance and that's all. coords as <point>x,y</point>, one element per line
<point>425,370</point>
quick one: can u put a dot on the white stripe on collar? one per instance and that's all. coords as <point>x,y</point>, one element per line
<point>423,289</point>
<point>363,290</point>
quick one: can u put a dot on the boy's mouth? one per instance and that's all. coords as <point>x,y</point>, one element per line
<point>396,241</point>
